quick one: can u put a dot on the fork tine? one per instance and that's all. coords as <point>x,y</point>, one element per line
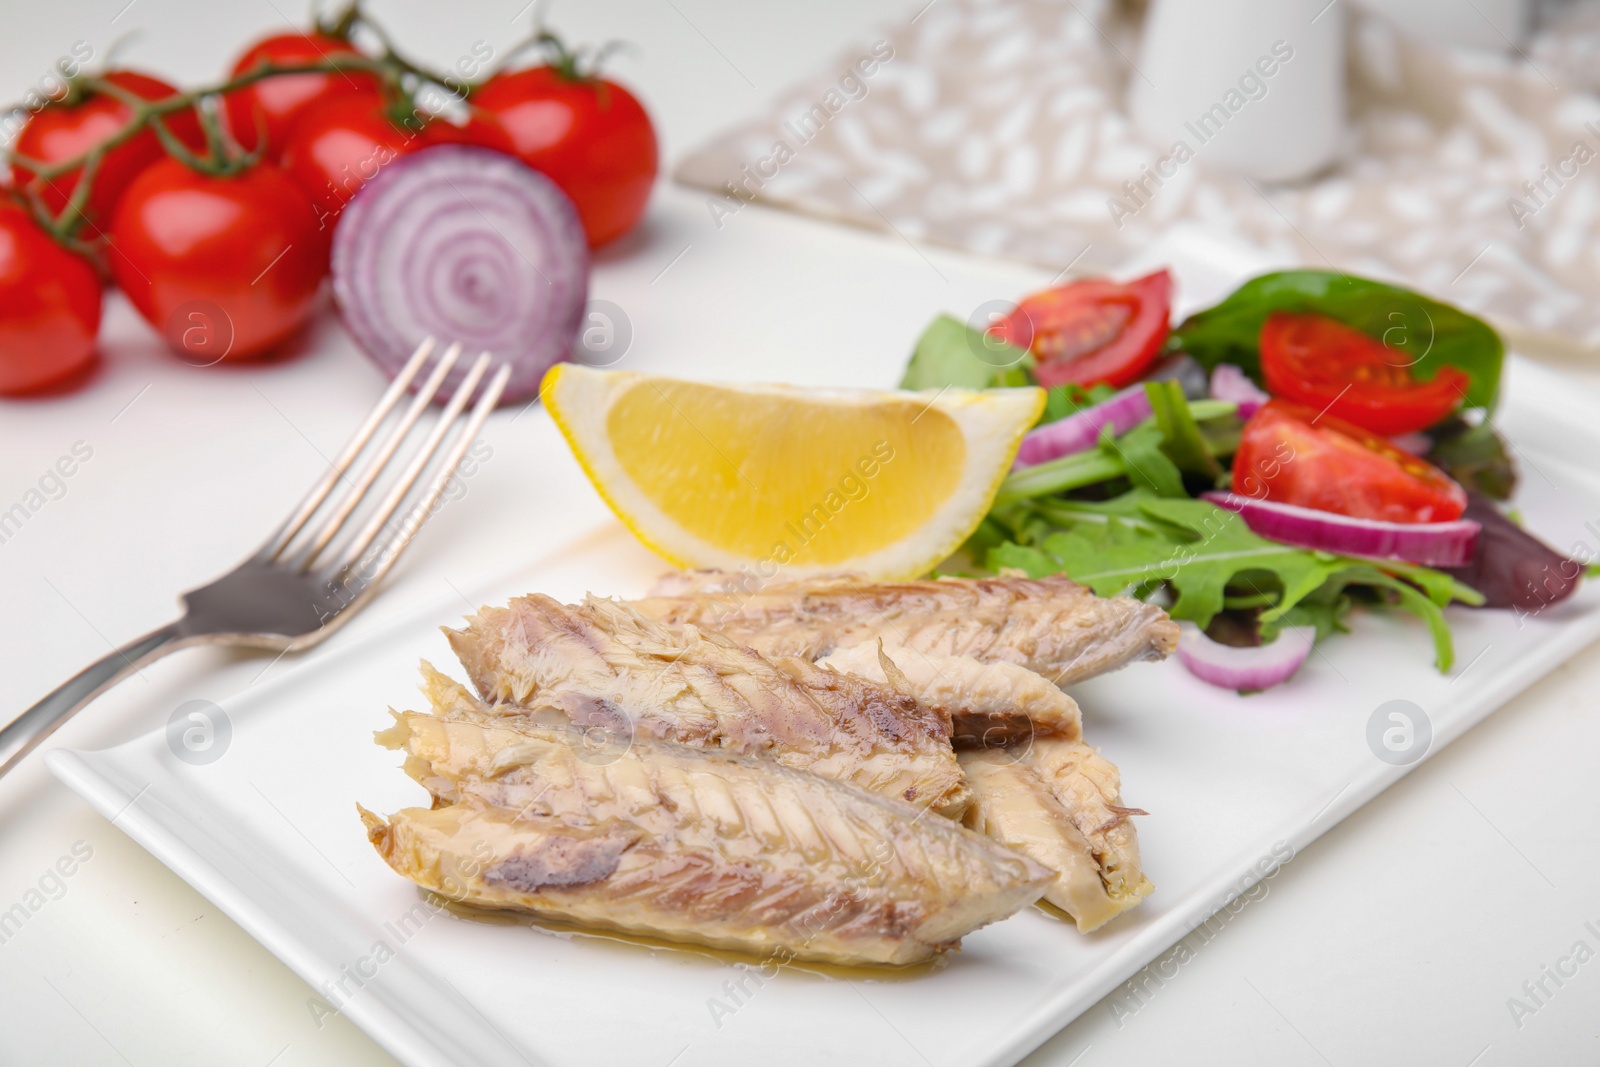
<point>480,412</point>
<point>375,466</point>
<point>319,492</point>
<point>419,462</point>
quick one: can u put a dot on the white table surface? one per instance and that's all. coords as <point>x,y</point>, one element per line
<point>1425,912</point>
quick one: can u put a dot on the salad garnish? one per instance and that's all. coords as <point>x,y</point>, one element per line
<point>1344,456</point>
<point>1421,334</point>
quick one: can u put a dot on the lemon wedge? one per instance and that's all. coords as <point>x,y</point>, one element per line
<point>763,478</point>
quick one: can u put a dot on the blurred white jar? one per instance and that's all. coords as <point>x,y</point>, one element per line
<point>1257,86</point>
<point>1495,25</point>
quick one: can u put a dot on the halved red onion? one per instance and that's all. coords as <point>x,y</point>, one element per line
<point>465,244</point>
<point>1078,433</point>
<point>1230,383</point>
<point>1230,667</point>
<point>1432,544</point>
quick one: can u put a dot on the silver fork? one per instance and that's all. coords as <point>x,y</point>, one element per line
<point>300,586</point>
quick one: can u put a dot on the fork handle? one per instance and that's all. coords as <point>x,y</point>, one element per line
<point>25,732</point>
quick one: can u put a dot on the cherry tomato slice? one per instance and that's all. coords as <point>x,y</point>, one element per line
<point>1092,331</point>
<point>49,307</point>
<point>1319,361</point>
<point>273,104</point>
<point>1290,454</point>
<point>60,132</point>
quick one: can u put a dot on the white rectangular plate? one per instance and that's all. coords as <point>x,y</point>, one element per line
<point>1233,784</point>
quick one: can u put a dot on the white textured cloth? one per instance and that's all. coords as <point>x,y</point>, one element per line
<point>998,126</point>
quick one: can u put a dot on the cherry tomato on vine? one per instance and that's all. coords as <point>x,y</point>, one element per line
<point>479,128</point>
<point>1092,331</point>
<point>587,134</point>
<point>61,131</point>
<point>275,103</point>
<point>49,306</point>
<point>1312,359</point>
<point>337,145</point>
<point>1292,454</point>
<point>226,267</point>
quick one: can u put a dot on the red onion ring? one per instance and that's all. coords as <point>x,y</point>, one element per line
<point>1079,432</point>
<point>1259,667</point>
<point>465,244</point>
<point>1230,383</point>
<point>1432,544</point>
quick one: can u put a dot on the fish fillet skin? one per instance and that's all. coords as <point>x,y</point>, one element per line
<point>601,664</point>
<point>990,705</point>
<point>1089,788</point>
<point>1013,805</point>
<point>690,845</point>
<point>1050,625</point>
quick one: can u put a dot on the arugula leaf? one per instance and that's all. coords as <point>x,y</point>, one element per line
<point>1184,443</point>
<point>1141,455</point>
<point>1431,334</point>
<point>1325,610</point>
<point>1033,562</point>
<point>1208,548</point>
<point>1137,456</point>
<point>1207,556</point>
<point>1206,409</point>
<point>1059,475</point>
<point>1069,399</point>
<point>1021,523</point>
<point>1425,607</point>
<point>1441,588</point>
<point>952,354</point>
<point>1124,508</point>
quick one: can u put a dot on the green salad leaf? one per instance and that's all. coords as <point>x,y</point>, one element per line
<point>1431,334</point>
<point>1119,517</point>
<point>1137,456</point>
<point>1185,444</point>
<point>952,354</point>
<point>1142,453</point>
<point>1475,456</point>
<point>1064,400</point>
<point>1206,555</point>
<point>1151,456</point>
<point>1323,610</point>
